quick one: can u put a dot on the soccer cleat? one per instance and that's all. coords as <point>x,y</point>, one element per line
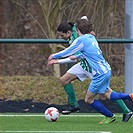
<point>131,96</point>
<point>127,116</point>
<point>71,109</point>
<point>107,120</point>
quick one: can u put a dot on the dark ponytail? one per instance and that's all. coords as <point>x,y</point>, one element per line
<point>64,27</point>
<point>71,24</point>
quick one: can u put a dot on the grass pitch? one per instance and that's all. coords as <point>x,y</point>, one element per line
<point>75,123</point>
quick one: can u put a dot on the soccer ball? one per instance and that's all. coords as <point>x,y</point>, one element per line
<point>52,114</point>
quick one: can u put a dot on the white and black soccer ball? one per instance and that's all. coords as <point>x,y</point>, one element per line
<point>52,114</point>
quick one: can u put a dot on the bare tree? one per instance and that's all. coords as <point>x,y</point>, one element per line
<point>51,11</point>
<point>107,17</point>
<point>1,6</point>
<point>56,11</point>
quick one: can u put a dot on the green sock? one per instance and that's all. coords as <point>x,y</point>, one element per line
<point>122,106</point>
<point>70,94</point>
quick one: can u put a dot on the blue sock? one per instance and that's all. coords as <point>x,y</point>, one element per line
<point>117,96</point>
<point>97,105</point>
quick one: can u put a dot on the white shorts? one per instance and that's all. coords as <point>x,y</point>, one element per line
<point>80,72</point>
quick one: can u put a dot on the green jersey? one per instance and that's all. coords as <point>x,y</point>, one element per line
<point>74,35</point>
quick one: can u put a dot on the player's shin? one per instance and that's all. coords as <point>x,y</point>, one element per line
<point>97,105</point>
<point>122,106</point>
<point>71,94</point>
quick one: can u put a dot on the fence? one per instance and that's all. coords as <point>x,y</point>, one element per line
<point>61,41</point>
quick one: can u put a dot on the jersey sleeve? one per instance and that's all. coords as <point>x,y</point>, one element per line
<point>76,46</point>
<point>66,60</point>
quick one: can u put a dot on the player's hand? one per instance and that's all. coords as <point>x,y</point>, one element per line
<point>53,62</point>
<point>73,57</point>
<point>50,58</point>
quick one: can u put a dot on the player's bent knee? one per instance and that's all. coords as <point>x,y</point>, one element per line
<point>63,81</point>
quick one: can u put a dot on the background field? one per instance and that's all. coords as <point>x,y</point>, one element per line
<point>83,123</point>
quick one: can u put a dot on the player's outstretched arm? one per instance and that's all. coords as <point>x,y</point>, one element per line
<point>62,61</point>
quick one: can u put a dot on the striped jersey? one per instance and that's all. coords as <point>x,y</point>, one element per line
<point>88,46</point>
<point>83,62</point>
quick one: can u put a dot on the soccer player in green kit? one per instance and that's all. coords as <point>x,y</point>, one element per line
<point>68,31</point>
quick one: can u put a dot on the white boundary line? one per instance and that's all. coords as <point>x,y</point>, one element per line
<point>54,132</point>
<point>43,115</point>
<point>35,115</point>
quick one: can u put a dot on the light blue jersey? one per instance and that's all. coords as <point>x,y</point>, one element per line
<point>88,46</point>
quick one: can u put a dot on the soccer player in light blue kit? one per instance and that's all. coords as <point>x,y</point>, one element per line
<point>89,48</point>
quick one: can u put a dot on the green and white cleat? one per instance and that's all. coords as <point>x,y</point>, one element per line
<point>126,117</point>
<point>71,109</point>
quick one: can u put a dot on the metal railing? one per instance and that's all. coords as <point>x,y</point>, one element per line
<point>13,41</point>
